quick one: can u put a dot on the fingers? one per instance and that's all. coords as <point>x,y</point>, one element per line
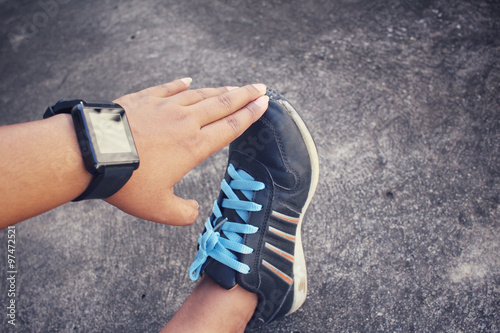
<point>212,109</point>
<point>222,132</point>
<point>194,96</point>
<point>169,89</point>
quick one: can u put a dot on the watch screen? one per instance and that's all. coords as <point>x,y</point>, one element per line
<point>109,131</point>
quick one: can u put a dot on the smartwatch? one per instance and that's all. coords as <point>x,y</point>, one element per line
<point>105,141</point>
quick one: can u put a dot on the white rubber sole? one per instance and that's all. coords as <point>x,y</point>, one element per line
<point>299,268</point>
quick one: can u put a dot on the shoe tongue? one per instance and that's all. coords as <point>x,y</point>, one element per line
<point>221,274</point>
<point>228,213</point>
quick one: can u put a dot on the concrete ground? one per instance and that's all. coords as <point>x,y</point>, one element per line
<point>402,98</point>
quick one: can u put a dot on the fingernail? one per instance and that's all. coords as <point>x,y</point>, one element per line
<point>262,101</point>
<point>187,80</point>
<point>260,87</point>
<point>229,88</point>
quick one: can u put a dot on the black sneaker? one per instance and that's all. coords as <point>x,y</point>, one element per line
<point>253,237</point>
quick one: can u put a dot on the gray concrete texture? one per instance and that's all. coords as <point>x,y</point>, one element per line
<point>402,98</point>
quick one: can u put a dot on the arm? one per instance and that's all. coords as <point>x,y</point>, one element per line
<point>41,168</point>
<point>174,129</point>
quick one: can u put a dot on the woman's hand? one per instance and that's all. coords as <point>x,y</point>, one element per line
<point>175,129</point>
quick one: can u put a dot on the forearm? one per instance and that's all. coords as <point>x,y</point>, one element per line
<point>40,168</point>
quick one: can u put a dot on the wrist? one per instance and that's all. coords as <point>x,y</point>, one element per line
<point>70,170</point>
<point>106,144</point>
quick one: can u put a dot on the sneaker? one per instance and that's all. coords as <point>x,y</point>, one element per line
<point>253,237</point>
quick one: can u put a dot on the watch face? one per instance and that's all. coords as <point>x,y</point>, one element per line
<point>109,131</point>
<point>107,136</point>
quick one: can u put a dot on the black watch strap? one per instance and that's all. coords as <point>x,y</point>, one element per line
<point>63,106</point>
<point>107,183</point>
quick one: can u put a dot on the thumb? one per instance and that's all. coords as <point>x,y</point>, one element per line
<point>181,211</point>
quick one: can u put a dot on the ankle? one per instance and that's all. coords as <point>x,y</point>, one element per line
<point>239,303</point>
<point>211,308</point>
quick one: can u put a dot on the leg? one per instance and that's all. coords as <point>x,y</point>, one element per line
<point>211,308</point>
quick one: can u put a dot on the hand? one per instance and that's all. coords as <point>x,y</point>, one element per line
<point>174,130</point>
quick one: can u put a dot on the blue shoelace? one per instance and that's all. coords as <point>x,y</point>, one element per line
<point>211,244</point>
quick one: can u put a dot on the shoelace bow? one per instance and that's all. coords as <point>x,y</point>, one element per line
<point>211,244</point>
